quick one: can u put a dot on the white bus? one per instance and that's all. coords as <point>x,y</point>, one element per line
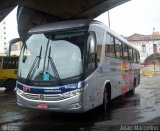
<point>75,66</point>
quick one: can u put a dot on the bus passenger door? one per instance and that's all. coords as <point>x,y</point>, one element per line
<point>90,100</point>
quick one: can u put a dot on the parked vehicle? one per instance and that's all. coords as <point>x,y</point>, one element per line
<point>8,72</point>
<point>75,66</point>
<point>9,65</point>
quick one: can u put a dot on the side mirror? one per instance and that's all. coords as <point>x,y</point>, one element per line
<point>92,43</point>
<point>10,43</point>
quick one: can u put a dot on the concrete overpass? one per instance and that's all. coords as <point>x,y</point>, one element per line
<point>36,12</point>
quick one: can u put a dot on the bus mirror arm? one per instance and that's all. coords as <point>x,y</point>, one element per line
<point>10,43</point>
<point>24,59</point>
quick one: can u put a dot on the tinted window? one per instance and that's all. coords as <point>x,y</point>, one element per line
<point>118,47</point>
<point>134,56</point>
<point>130,54</point>
<point>10,63</point>
<point>110,49</point>
<point>99,49</point>
<point>125,51</point>
<point>138,57</point>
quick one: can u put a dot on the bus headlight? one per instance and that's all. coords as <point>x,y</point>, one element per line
<point>72,93</point>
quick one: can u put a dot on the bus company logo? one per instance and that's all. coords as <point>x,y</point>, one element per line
<point>4,128</point>
<point>41,97</point>
<point>26,88</point>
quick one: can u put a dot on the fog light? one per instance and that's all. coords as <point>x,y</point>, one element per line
<point>77,105</point>
<point>20,91</point>
<point>72,93</point>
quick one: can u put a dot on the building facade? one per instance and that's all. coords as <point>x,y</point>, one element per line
<point>4,41</point>
<point>146,44</point>
<point>3,38</point>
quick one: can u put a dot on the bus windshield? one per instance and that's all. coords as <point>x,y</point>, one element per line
<point>52,56</point>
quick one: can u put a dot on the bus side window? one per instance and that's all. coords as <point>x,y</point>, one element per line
<point>4,63</point>
<point>134,56</point>
<point>130,55</point>
<point>91,53</point>
<point>138,57</point>
<point>7,63</point>
<point>118,48</point>
<point>99,49</point>
<point>110,46</point>
<point>125,52</point>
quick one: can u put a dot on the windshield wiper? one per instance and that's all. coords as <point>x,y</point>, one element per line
<point>35,65</point>
<point>54,69</point>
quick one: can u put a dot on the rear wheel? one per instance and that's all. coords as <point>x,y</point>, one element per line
<point>10,84</point>
<point>132,92</point>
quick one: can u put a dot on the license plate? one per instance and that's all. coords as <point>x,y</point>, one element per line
<point>42,106</point>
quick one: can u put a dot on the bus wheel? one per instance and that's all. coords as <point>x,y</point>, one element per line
<point>131,92</point>
<point>105,100</point>
<point>10,84</point>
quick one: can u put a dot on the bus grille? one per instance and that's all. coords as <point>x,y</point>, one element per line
<point>55,97</point>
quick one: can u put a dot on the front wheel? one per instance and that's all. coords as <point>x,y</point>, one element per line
<point>105,101</point>
<point>10,84</point>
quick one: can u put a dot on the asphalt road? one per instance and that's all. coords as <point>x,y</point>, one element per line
<point>142,108</point>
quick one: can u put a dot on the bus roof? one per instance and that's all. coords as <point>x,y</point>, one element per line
<point>110,31</point>
<point>64,25</point>
<point>57,26</point>
<point>120,37</point>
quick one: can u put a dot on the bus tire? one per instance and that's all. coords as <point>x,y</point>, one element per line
<point>106,98</point>
<point>10,84</point>
<point>132,92</point>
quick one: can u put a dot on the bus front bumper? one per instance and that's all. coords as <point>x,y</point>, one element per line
<point>70,105</point>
